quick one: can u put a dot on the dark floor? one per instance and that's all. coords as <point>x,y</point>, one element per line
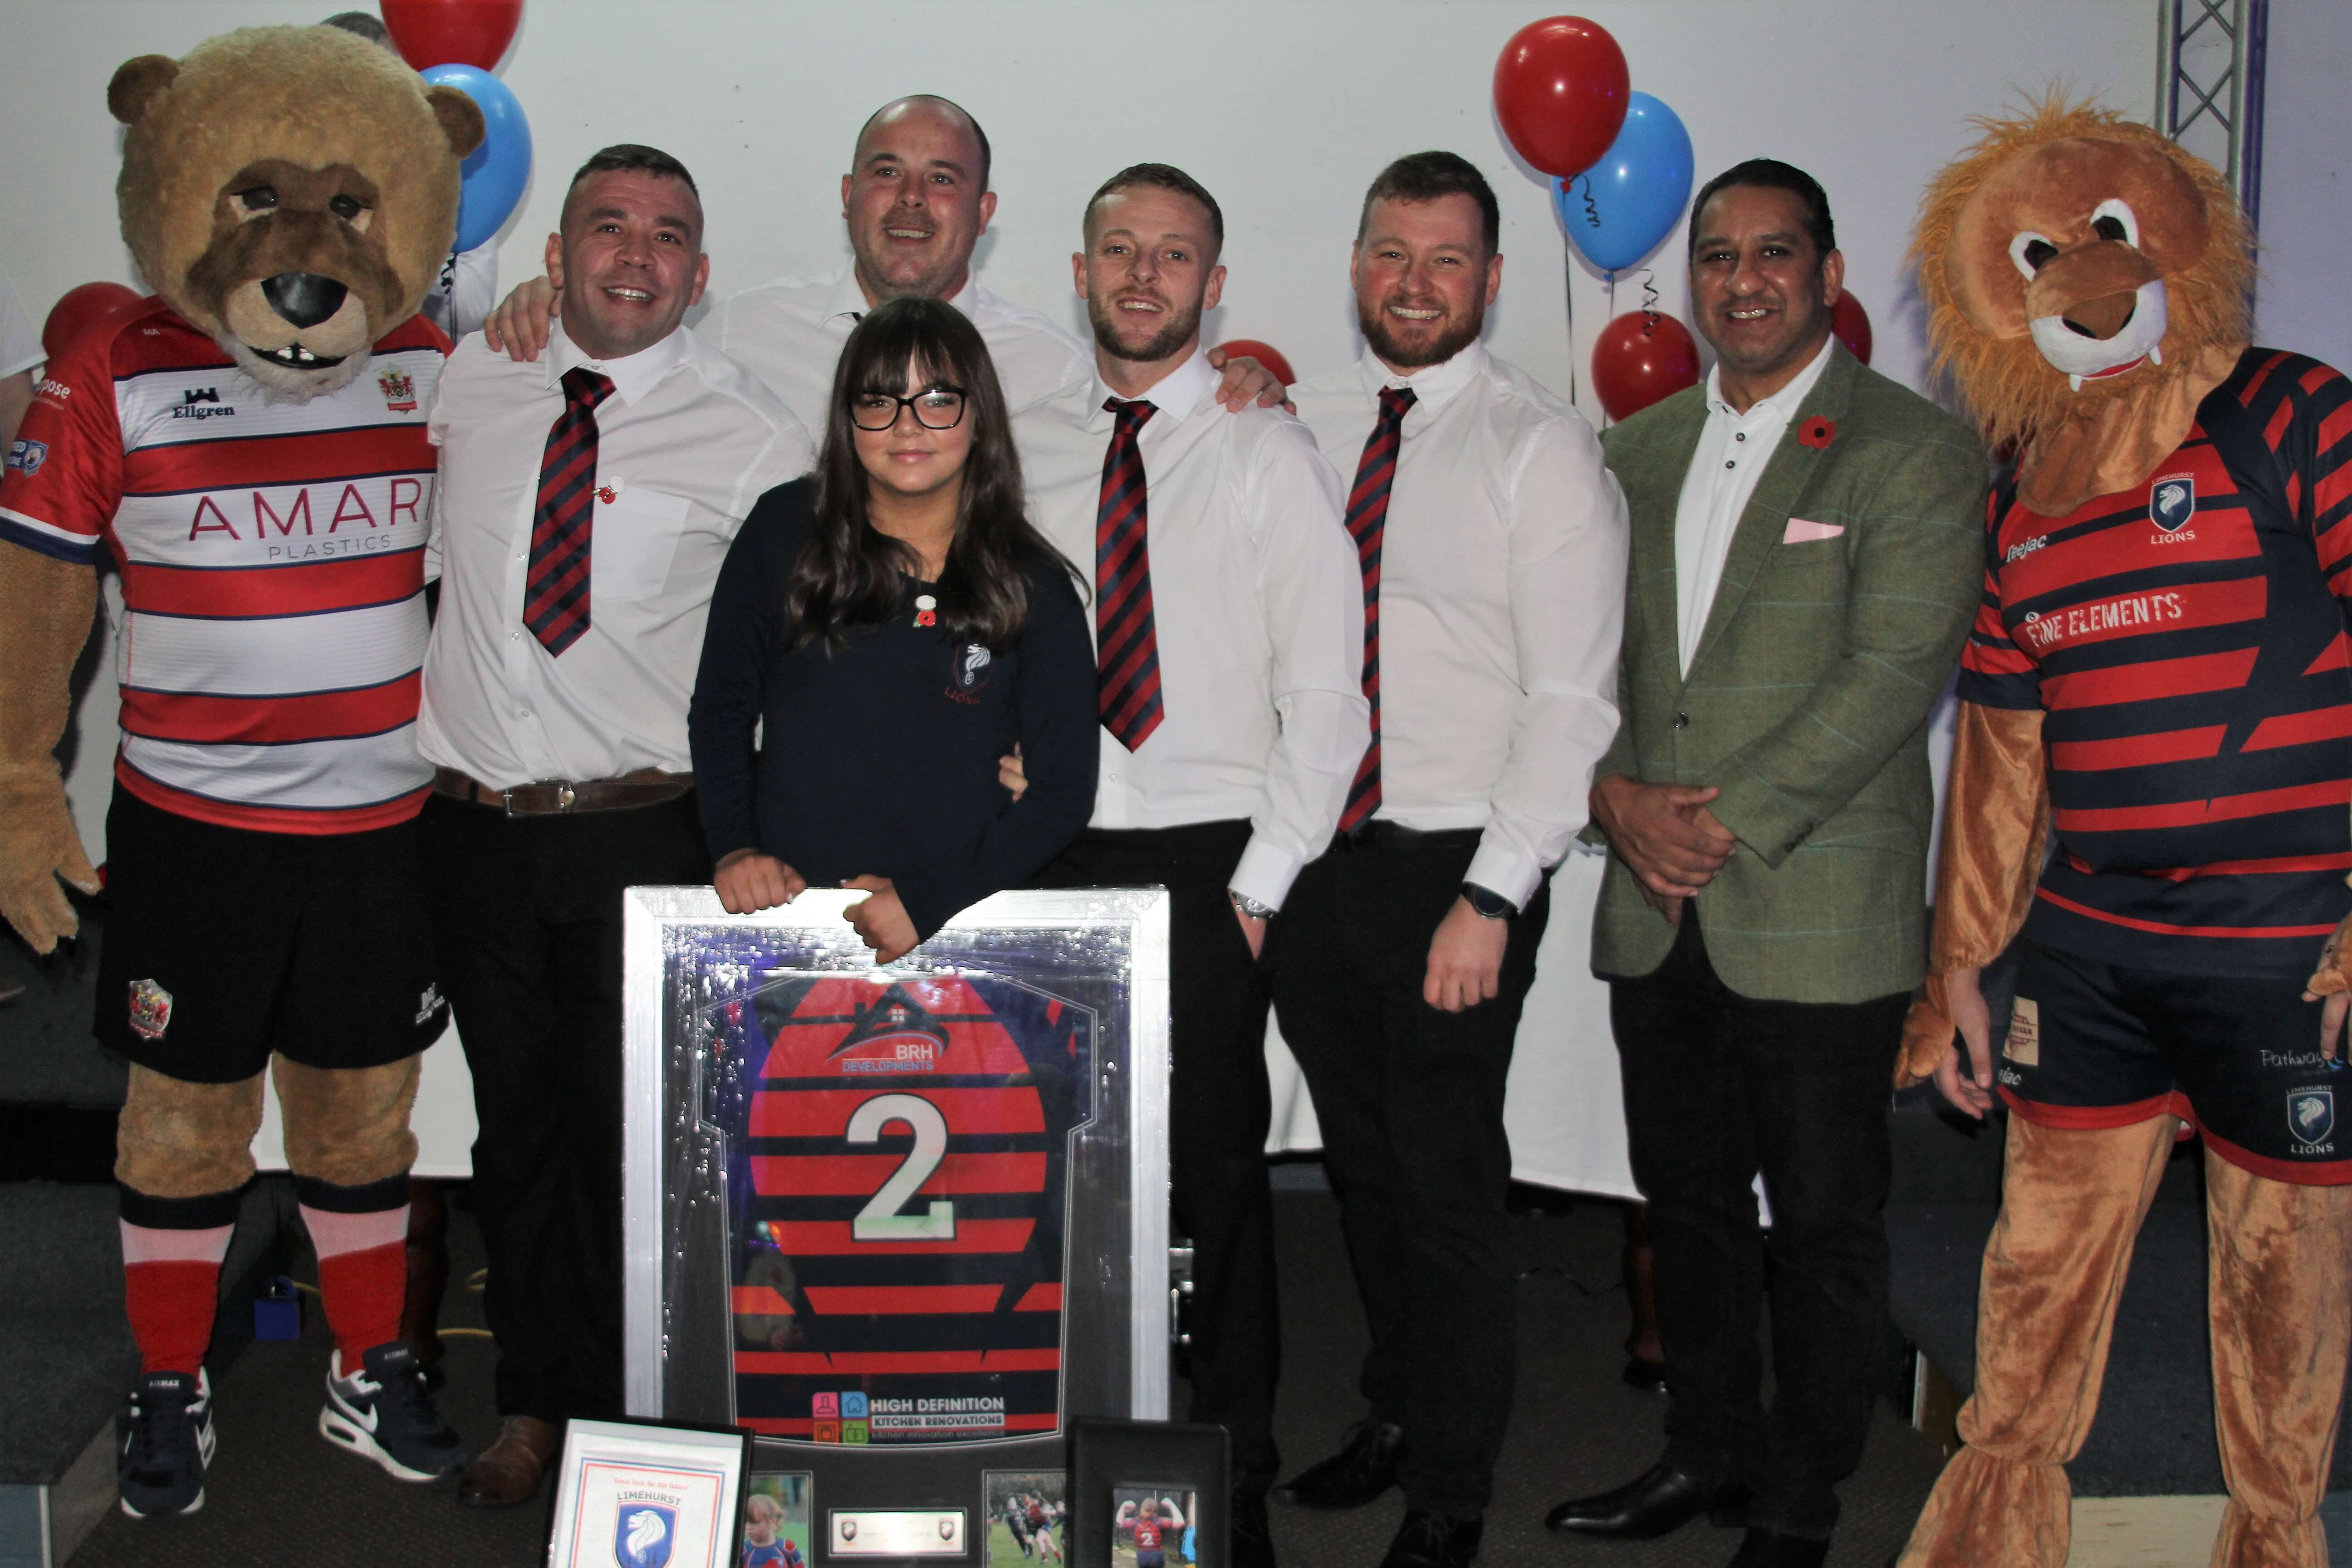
<point>279,1495</point>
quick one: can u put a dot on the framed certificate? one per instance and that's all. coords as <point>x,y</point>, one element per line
<point>903,1224</point>
<point>643,1496</point>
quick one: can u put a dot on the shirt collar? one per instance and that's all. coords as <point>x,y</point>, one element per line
<point>848,298</point>
<point>633,375</point>
<point>1434,386</point>
<point>1176,394</point>
<point>1782,405</point>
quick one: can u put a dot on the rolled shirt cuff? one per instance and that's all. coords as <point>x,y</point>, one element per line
<point>1265,872</point>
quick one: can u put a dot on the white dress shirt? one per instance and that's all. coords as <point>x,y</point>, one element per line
<point>686,442</point>
<point>789,334</point>
<point>1502,604</point>
<point>1257,610</point>
<point>1733,449</point>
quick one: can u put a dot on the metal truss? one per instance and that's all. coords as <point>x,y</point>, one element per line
<point>2211,57</point>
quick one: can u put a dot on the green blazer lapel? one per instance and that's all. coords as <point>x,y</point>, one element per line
<point>1653,487</point>
<point>1794,466</point>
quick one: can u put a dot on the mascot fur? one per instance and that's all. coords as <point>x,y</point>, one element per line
<point>2160,680</point>
<point>288,194</point>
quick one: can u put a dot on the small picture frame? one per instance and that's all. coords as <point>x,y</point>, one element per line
<point>1025,1517</point>
<point>632,1494</point>
<point>779,1519</point>
<point>1149,1494</point>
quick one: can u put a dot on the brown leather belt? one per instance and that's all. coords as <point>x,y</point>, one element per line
<point>567,798</point>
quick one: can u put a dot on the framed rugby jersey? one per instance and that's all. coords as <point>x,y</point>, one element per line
<point>888,1219</point>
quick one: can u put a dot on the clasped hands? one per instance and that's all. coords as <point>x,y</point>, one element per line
<point>748,881</point>
<point>1665,833</point>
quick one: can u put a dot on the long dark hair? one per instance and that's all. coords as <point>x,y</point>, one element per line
<point>847,575</point>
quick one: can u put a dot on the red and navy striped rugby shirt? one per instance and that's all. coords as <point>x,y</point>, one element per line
<point>2186,641</point>
<point>897,1178</point>
<point>272,557</point>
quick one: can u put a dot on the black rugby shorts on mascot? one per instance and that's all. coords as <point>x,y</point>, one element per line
<point>222,945</point>
<point>2095,1045</point>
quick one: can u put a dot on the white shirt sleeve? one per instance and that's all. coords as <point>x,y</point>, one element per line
<point>20,339</point>
<point>1311,594</point>
<point>1569,549</point>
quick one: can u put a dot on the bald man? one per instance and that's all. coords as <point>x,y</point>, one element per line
<point>916,202</point>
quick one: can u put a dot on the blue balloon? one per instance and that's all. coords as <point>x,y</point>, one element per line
<point>494,174</point>
<point>1618,211</point>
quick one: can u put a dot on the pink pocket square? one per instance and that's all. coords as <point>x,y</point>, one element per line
<point>1803,533</point>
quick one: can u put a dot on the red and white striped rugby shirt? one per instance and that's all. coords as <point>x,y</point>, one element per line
<point>272,557</point>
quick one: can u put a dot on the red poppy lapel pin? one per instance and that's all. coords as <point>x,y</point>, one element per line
<point>1817,433</point>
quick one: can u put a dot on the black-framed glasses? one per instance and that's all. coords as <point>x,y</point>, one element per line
<point>938,407</point>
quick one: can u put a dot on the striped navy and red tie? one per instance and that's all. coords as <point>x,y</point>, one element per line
<point>1126,653</point>
<point>555,591</point>
<point>1368,513</point>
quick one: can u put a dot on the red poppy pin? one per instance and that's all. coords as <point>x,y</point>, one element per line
<point>1817,433</point>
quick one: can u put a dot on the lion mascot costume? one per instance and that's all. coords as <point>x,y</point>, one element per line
<point>250,448</point>
<point>2159,680</point>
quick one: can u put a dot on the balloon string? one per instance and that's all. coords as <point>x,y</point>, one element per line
<point>1649,301</point>
<point>1592,208</point>
<point>1568,289</point>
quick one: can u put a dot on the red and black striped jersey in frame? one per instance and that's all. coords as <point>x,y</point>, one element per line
<point>897,1193</point>
<point>272,559</point>
<point>2186,641</point>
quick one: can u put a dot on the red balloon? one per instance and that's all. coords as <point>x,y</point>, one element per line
<point>1640,357</point>
<point>1560,90</point>
<point>81,307</point>
<point>431,33</point>
<point>1265,354</point>
<point>1852,325</point>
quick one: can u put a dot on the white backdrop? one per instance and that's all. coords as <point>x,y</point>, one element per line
<point>1284,109</point>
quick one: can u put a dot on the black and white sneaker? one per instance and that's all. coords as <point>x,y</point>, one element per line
<point>164,1440</point>
<point>385,1412</point>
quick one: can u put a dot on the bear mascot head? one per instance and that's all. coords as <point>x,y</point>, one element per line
<point>291,191</point>
<point>2087,284</point>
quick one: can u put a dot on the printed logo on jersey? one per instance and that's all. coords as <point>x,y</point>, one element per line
<point>2311,1117</point>
<point>970,675</point>
<point>201,403</point>
<point>2023,1046</point>
<point>26,456</point>
<point>399,391</point>
<point>892,1036</point>
<point>2172,501</point>
<point>2024,548</point>
<point>643,1532</point>
<point>428,1002</point>
<point>150,1009</point>
<point>55,391</point>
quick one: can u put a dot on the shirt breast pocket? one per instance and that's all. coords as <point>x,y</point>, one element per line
<point>635,535</point>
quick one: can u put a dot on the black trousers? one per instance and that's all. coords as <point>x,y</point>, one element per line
<point>1220,1105</point>
<point>1718,1088</point>
<point>527,916</point>
<point>1410,1103</point>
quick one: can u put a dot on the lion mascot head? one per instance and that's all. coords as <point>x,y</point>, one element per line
<point>291,191</point>
<point>2087,284</point>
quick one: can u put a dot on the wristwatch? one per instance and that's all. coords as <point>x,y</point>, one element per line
<point>1249,906</point>
<point>1490,904</point>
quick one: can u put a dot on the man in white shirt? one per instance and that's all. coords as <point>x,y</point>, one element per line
<point>1228,628</point>
<point>584,507</point>
<point>917,201</point>
<point>1491,543</point>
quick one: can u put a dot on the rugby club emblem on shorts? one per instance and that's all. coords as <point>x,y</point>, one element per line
<point>2311,1115</point>
<point>643,1535</point>
<point>150,1009</point>
<point>2172,501</point>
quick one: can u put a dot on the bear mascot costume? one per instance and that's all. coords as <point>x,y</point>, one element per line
<point>2159,680</point>
<point>250,448</point>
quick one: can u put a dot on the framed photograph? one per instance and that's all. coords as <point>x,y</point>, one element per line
<point>778,1511</point>
<point>1148,1494</point>
<point>904,1223</point>
<point>1027,1516</point>
<point>644,1495</point>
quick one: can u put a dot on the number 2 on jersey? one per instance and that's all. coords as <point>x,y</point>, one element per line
<point>880,1220</point>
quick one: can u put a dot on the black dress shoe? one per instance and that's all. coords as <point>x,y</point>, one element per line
<point>1649,1376</point>
<point>1770,1549</point>
<point>1364,1467</point>
<point>1253,1538</point>
<point>1431,1539</point>
<point>1659,1500</point>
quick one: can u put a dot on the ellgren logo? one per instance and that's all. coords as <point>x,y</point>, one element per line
<point>643,1535</point>
<point>2311,1115</point>
<point>26,456</point>
<point>2172,501</point>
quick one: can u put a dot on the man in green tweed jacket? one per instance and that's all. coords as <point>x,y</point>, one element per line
<point>1807,555</point>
